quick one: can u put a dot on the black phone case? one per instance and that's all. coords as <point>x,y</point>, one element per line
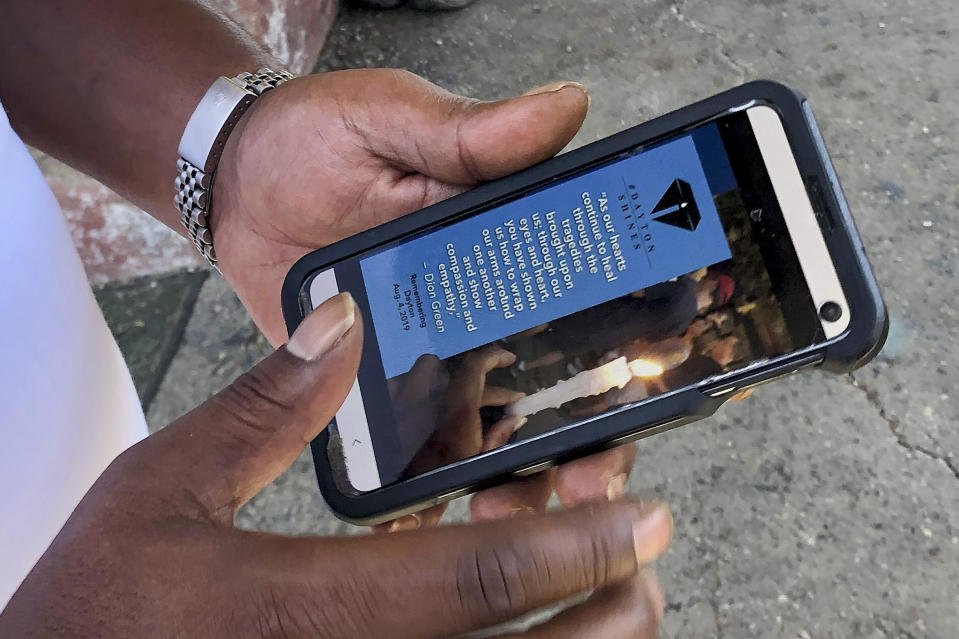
<point>862,340</point>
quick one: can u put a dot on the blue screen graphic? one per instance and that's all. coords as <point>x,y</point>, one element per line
<point>604,234</point>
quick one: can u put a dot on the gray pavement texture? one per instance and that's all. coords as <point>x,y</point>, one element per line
<point>825,506</point>
<point>147,316</point>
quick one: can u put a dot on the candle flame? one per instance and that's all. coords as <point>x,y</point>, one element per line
<point>645,368</point>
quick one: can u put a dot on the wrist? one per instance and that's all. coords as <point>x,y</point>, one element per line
<point>205,140</point>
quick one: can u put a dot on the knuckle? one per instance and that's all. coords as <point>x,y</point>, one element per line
<point>254,399</point>
<point>601,549</point>
<point>492,582</point>
<point>127,479</point>
<point>464,152</point>
<point>598,560</point>
<point>126,464</point>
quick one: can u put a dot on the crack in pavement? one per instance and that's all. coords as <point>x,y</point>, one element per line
<point>896,427</point>
<point>676,9</point>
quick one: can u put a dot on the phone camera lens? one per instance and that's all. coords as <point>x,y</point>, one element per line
<point>830,311</point>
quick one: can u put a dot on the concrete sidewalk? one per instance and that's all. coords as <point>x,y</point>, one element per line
<point>822,507</point>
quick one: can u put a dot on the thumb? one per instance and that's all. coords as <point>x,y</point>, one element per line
<point>232,446</point>
<point>460,141</point>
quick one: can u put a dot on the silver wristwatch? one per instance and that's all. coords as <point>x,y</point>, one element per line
<point>202,144</point>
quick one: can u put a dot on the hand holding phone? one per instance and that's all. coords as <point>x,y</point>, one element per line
<point>151,550</point>
<point>641,281</point>
<point>330,155</point>
<point>361,147</point>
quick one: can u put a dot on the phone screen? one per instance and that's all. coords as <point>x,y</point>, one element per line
<point>666,266</point>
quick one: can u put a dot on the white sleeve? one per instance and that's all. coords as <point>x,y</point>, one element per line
<point>67,403</point>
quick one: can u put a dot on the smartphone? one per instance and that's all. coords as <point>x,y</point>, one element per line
<point>615,291</point>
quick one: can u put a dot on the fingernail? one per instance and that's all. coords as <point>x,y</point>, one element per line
<point>652,532</point>
<point>616,487</point>
<point>555,87</point>
<point>409,522</point>
<point>520,423</point>
<point>321,328</point>
<point>522,511</point>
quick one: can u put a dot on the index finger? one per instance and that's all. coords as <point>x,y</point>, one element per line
<point>454,579</point>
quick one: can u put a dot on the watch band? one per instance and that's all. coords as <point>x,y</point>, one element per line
<point>202,143</point>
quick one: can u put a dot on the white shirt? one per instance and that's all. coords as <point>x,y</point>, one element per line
<point>67,403</point>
